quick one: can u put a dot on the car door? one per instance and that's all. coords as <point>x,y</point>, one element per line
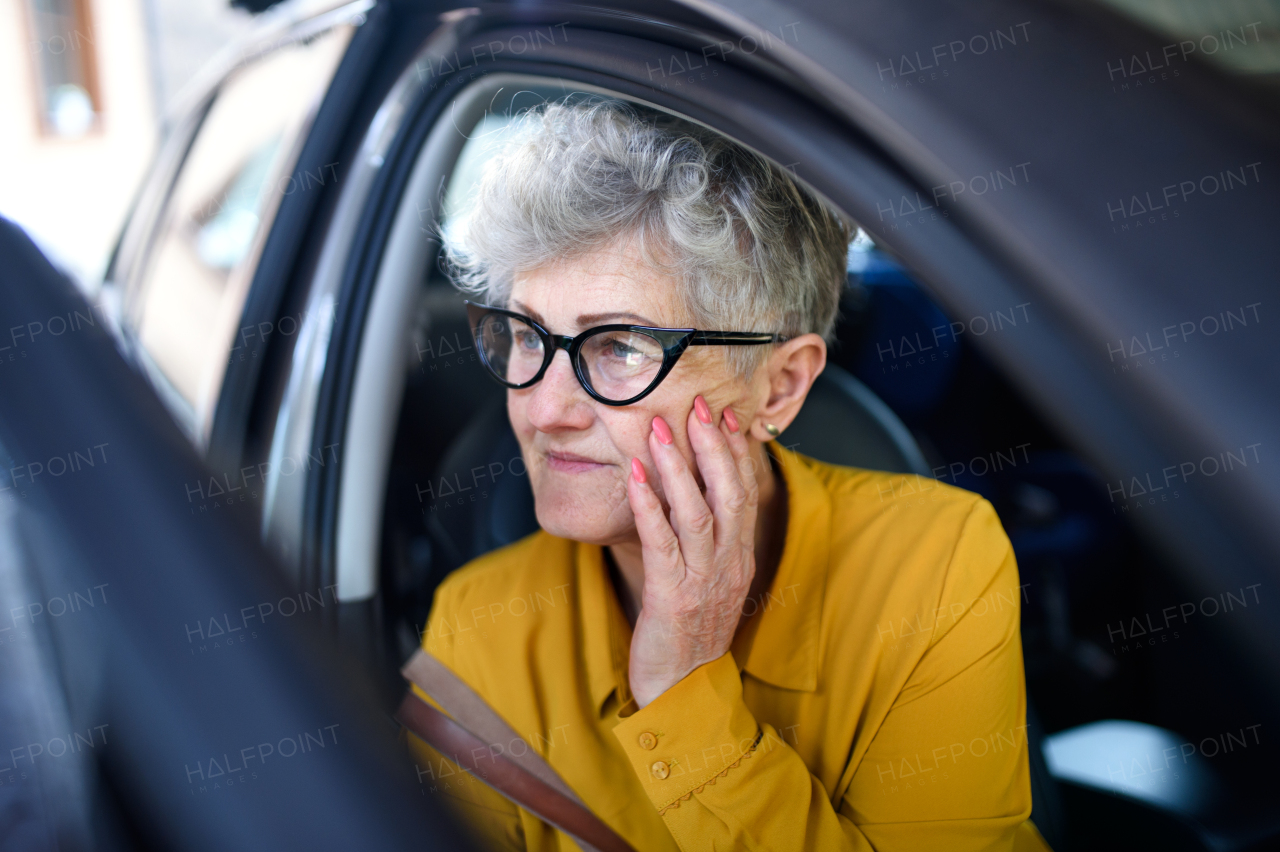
<point>183,273</point>
<point>163,687</point>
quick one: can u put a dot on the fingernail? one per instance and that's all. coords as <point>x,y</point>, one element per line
<point>637,470</point>
<point>700,407</point>
<point>731,420</point>
<point>663,431</point>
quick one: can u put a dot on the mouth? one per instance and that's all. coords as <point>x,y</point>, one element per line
<point>571,462</point>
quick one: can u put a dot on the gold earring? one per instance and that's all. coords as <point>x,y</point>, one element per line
<point>773,431</point>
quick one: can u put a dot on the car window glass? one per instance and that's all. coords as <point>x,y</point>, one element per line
<point>484,141</point>
<point>187,303</point>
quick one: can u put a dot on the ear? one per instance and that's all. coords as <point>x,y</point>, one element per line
<point>787,375</point>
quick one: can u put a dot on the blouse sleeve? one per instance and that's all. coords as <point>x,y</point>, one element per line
<point>722,780</point>
<point>947,768</point>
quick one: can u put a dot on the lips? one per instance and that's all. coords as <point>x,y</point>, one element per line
<point>571,462</point>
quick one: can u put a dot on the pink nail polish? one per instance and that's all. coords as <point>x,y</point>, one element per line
<point>637,470</point>
<point>663,431</point>
<point>731,420</point>
<point>700,408</point>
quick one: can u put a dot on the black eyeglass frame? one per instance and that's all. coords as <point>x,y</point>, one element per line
<point>674,342</point>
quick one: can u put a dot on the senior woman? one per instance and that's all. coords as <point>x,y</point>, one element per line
<point>718,643</point>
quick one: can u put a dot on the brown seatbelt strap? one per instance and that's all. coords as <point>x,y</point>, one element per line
<point>515,770</point>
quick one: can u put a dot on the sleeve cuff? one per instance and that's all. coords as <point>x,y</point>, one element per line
<point>694,732</point>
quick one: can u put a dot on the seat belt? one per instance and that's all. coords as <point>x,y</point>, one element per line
<point>471,726</point>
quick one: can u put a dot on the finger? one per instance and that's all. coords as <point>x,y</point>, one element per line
<point>726,494</point>
<point>658,542</point>
<point>691,517</point>
<point>741,449</point>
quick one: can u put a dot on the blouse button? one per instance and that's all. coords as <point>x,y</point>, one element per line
<point>648,741</point>
<point>660,770</point>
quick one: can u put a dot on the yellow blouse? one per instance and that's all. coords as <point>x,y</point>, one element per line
<point>874,699</point>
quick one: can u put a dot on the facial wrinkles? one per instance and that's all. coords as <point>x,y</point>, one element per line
<point>620,514</point>
<point>604,284</point>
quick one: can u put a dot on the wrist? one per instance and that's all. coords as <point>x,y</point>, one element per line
<point>645,690</point>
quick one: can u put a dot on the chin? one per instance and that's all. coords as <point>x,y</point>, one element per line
<point>580,517</point>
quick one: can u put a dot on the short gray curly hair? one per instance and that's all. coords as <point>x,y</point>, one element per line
<point>753,250</point>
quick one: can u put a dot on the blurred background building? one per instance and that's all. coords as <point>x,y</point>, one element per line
<point>83,89</point>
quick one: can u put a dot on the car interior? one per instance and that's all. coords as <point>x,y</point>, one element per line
<point>906,389</point>
<point>432,478</point>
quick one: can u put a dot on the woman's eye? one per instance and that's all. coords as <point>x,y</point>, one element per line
<point>621,351</point>
<point>618,349</point>
<point>528,340</point>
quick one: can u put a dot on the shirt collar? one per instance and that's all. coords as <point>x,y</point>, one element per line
<point>779,644</point>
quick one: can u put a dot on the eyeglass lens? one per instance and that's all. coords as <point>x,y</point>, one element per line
<point>512,349</point>
<point>618,365</point>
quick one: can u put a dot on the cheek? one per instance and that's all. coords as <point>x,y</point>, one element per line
<point>628,430</point>
<point>517,416</point>
<point>524,433</point>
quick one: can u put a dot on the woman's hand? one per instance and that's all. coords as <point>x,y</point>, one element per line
<point>698,565</point>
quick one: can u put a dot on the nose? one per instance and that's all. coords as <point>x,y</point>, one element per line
<point>558,403</point>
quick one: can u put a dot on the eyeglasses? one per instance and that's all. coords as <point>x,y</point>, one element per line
<point>615,364</point>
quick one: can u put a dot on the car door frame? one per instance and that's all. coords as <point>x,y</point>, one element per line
<point>971,262</point>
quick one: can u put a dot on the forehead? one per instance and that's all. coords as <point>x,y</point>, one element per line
<point>614,285</point>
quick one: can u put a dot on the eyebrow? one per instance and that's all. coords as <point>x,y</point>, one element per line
<point>586,320</point>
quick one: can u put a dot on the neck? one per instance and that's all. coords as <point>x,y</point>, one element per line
<point>626,565</point>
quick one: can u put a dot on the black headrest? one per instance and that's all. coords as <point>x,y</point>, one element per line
<point>482,499</point>
<point>843,422</point>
